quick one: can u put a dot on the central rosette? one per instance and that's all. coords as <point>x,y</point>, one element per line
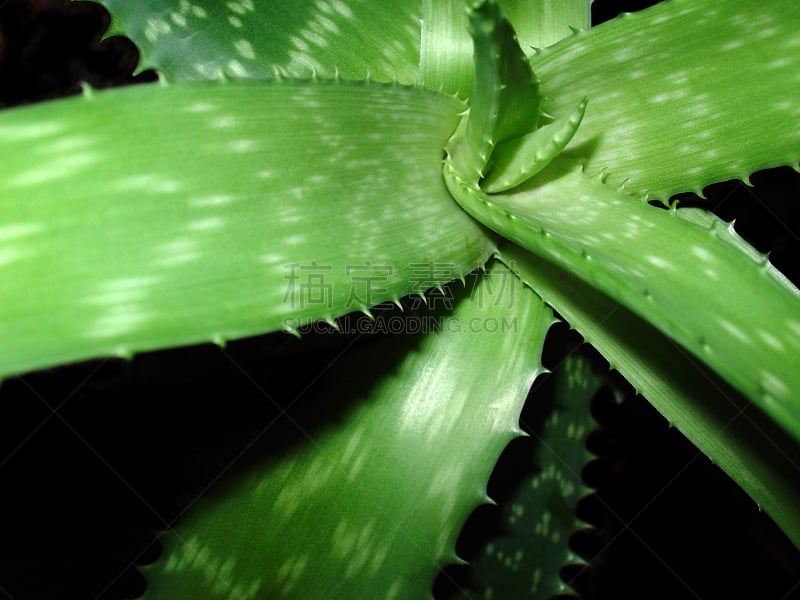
<point>504,139</point>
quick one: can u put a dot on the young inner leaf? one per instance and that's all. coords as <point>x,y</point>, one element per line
<point>517,160</point>
<point>505,102</point>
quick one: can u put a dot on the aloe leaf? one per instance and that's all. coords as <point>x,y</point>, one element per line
<point>446,47</point>
<point>394,39</point>
<point>371,508</point>
<point>685,271</point>
<point>505,100</point>
<point>200,39</point>
<point>446,57</point>
<point>541,23</point>
<point>742,441</point>
<point>525,560</point>
<point>684,94</point>
<point>517,160</point>
<point>148,217</point>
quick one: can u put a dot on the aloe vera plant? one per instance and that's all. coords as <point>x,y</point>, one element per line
<point>305,160</point>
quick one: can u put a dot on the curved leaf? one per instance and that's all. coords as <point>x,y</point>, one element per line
<point>686,272</point>
<point>519,159</point>
<point>684,94</point>
<point>200,39</point>
<point>446,47</point>
<point>371,508</point>
<point>505,100</point>
<point>541,23</point>
<point>152,217</point>
<point>526,559</point>
<point>753,451</point>
<point>403,40</point>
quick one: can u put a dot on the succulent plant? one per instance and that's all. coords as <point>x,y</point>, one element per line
<point>485,166</point>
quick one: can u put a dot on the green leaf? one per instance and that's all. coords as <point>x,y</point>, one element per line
<point>446,47</point>
<point>526,559</point>
<point>686,272</point>
<point>517,160</point>
<point>410,41</point>
<point>199,39</point>
<point>741,440</point>
<point>687,93</point>
<point>371,508</point>
<point>505,100</point>
<point>446,57</point>
<point>541,23</point>
<point>152,217</point>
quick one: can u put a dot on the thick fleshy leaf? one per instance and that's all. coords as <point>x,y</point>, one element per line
<point>753,451</point>
<point>446,47</point>
<point>526,559</point>
<point>514,162</point>
<point>541,23</point>
<point>505,101</point>
<point>371,508</point>
<point>684,94</point>
<point>686,272</point>
<point>446,51</point>
<point>406,40</point>
<point>153,217</point>
<point>199,39</point>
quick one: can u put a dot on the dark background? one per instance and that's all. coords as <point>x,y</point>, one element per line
<point>96,457</point>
